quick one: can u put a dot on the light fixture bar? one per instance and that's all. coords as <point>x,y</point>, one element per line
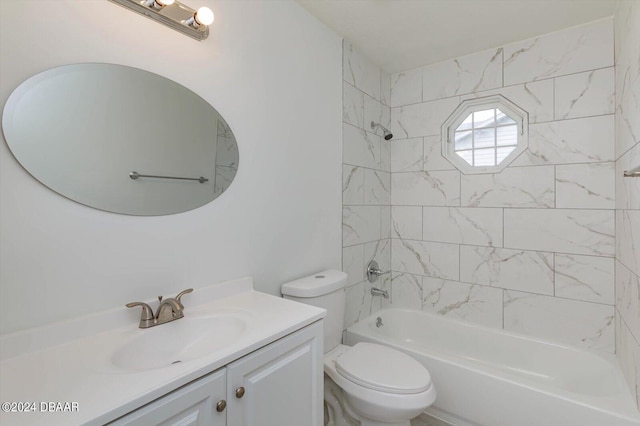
<point>175,15</point>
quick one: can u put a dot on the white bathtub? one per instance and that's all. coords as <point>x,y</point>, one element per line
<point>489,377</point>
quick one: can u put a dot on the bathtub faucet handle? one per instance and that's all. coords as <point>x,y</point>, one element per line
<point>374,271</point>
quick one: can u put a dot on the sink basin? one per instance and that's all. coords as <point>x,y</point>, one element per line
<point>178,341</point>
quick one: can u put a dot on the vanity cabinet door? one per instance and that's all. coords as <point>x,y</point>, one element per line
<point>279,385</point>
<point>194,404</point>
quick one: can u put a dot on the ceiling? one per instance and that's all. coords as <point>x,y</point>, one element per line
<point>400,35</point>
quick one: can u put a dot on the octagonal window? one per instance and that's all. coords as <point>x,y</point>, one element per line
<point>484,135</point>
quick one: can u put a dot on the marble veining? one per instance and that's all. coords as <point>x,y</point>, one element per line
<point>433,159</point>
<point>587,278</point>
<point>628,239</point>
<point>480,304</point>
<point>352,185</point>
<point>628,87</point>
<point>628,354</point>
<point>627,113</point>
<point>510,269</point>
<point>360,304</point>
<point>513,187</point>
<point>585,94</point>
<point>628,297</point>
<point>360,224</point>
<point>376,187</point>
<point>385,221</point>
<point>628,189</point>
<point>583,140</point>
<point>385,88</point>
<point>540,233</point>
<point>359,71</point>
<point>589,325</point>
<point>423,119</point>
<point>406,87</point>
<point>438,188</point>
<point>425,258</point>
<point>565,52</point>
<point>353,263</point>
<point>360,148</point>
<point>589,232</point>
<point>384,161</point>
<point>352,105</point>
<point>406,222</point>
<point>585,186</point>
<point>463,225</point>
<point>627,149</point>
<point>380,251</point>
<point>406,155</point>
<point>406,290</point>
<point>366,180</point>
<point>463,75</point>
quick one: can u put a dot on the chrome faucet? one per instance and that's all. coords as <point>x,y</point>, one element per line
<point>168,310</point>
<point>373,271</point>
<point>379,292</point>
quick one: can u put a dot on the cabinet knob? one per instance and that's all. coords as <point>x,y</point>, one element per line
<point>220,406</point>
<point>240,392</point>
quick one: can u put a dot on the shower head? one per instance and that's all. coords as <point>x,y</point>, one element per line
<point>387,134</point>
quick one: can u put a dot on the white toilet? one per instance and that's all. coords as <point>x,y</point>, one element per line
<point>367,384</point>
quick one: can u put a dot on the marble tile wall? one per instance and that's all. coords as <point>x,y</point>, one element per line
<point>366,177</point>
<point>531,249</point>
<point>549,247</point>
<point>627,191</point>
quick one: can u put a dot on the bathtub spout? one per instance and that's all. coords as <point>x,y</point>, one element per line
<point>379,292</point>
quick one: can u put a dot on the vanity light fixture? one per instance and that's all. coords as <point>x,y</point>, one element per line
<point>173,14</point>
<point>159,4</point>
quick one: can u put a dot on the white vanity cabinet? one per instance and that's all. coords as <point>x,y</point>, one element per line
<point>277,385</point>
<point>280,384</point>
<point>194,404</point>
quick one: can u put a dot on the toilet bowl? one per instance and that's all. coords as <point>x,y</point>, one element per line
<point>366,384</point>
<point>380,386</point>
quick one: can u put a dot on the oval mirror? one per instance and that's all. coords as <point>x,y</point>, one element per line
<point>120,139</point>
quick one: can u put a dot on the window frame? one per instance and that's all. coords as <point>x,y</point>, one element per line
<point>457,117</point>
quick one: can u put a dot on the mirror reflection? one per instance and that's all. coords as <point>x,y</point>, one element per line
<point>86,130</point>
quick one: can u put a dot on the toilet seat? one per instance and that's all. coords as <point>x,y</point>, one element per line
<point>383,369</point>
<point>378,404</point>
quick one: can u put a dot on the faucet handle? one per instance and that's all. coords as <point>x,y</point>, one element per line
<point>373,271</point>
<point>182,293</point>
<point>146,316</point>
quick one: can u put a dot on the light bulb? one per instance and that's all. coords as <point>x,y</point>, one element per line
<point>164,2</point>
<point>204,16</point>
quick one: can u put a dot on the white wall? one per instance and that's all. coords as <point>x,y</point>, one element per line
<point>270,69</point>
<point>627,36</point>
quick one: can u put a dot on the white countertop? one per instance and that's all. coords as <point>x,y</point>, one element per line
<point>78,369</point>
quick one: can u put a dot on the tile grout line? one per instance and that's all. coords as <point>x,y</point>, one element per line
<point>503,86</point>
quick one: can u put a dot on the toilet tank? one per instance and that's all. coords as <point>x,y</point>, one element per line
<point>324,290</point>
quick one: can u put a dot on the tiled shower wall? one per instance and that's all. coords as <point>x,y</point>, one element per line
<point>530,249</point>
<point>627,151</point>
<point>366,179</point>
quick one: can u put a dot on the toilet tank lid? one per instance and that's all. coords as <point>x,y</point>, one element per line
<point>318,284</point>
